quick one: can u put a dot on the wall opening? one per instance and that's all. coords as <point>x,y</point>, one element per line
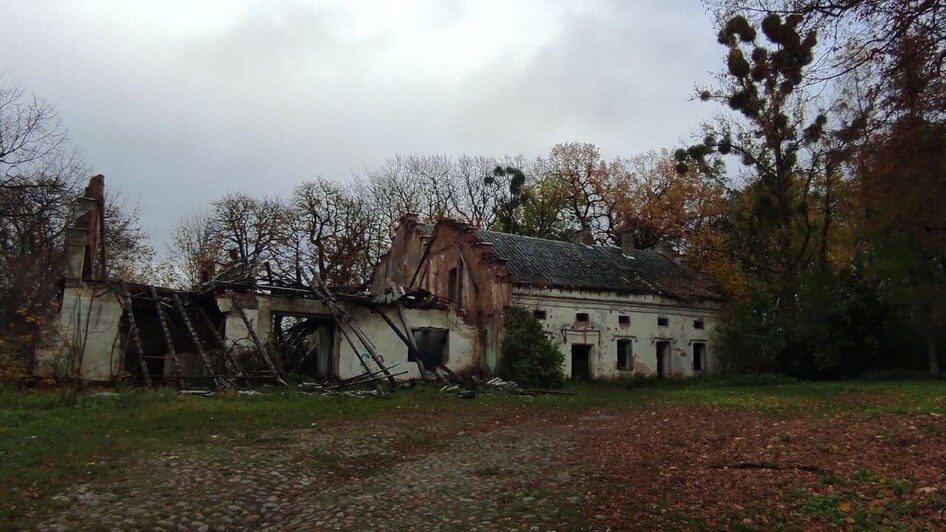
<point>624,321</point>
<point>699,356</point>
<point>663,360</point>
<point>581,361</point>
<point>625,355</point>
<point>305,343</point>
<point>431,346</point>
<point>453,288</point>
<point>582,317</point>
<point>698,324</point>
<point>663,321</point>
<point>539,314</point>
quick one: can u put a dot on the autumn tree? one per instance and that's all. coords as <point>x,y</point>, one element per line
<point>903,193</point>
<point>885,60</point>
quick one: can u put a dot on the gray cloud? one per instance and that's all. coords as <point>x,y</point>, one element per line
<point>178,103</point>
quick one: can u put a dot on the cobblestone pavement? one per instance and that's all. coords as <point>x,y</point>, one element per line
<point>481,472</point>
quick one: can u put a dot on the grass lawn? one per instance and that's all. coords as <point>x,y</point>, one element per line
<point>52,440</point>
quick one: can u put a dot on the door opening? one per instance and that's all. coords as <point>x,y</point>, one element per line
<point>663,359</point>
<point>581,361</point>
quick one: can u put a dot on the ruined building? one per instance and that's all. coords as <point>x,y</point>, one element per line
<point>435,308</point>
<point>612,311</point>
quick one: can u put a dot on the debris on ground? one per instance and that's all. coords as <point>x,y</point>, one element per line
<point>201,393</point>
<point>466,394</point>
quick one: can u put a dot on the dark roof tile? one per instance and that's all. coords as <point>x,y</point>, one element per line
<point>541,262</point>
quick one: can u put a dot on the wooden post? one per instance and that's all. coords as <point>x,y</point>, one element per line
<point>223,344</point>
<point>259,345</point>
<point>196,339</point>
<point>167,336</point>
<point>133,329</point>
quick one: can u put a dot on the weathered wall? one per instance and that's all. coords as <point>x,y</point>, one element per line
<point>83,339</point>
<point>483,293</point>
<point>390,347</point>
<point>603,330</point>
<point>396,268</point>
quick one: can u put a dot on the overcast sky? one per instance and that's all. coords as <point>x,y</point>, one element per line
<point>177,102</point>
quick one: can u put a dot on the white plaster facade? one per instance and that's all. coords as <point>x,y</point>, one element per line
<point>82,339</point>
<point>459,351</point>
<point>604,329</point>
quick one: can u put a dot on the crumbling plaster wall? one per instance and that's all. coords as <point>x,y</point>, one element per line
<point>603,330</point>
<point>396,268</point>
<point>461,348</point>
<point>82,340</point>
<point>483,294</point>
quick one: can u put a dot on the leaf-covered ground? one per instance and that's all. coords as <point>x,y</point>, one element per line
<point>696,455</point>
<point>701,466</point>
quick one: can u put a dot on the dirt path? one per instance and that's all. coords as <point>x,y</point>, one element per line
<point>484,472</point>
<point>674,467</point>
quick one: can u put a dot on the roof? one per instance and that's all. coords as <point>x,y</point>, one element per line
<point>542,262</point>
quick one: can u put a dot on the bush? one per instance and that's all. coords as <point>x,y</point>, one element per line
<point>528,357</point>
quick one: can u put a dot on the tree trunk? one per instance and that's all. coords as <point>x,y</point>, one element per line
<point>931,353</point>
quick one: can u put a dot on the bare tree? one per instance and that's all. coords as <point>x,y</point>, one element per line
<point>39,175</point>
<point>130,255</point>
<point>195,250</point>
<point>332,233</point>
<point>250,230</point>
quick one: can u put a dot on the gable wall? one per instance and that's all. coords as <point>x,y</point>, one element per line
<point>485,294</point>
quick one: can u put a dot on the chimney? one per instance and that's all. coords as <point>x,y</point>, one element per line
<point>627,242</point>
<point>583,236</point>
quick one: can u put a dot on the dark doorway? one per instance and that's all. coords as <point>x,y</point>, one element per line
<point>305,343</point>
<point>699,356</point>
<point>581,361</point>
<point>663,362</point>
<point>431,346</point>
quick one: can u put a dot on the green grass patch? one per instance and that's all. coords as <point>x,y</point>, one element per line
<point>51,439</point>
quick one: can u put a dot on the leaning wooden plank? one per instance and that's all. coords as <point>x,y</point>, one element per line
<point>264,354</point>
<point>342,318</point>
<point>133,330</point>
<point>371,351</point>
<point>354,348</point>
<point>196,340</point>
<point>409,342</point>
<point>223,345</point>
<point>162,318</point>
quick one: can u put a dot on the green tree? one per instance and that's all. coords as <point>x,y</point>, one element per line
<point>528,357</point>
<point>776,237</point>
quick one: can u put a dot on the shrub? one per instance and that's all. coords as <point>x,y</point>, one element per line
<point>528,357</point>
